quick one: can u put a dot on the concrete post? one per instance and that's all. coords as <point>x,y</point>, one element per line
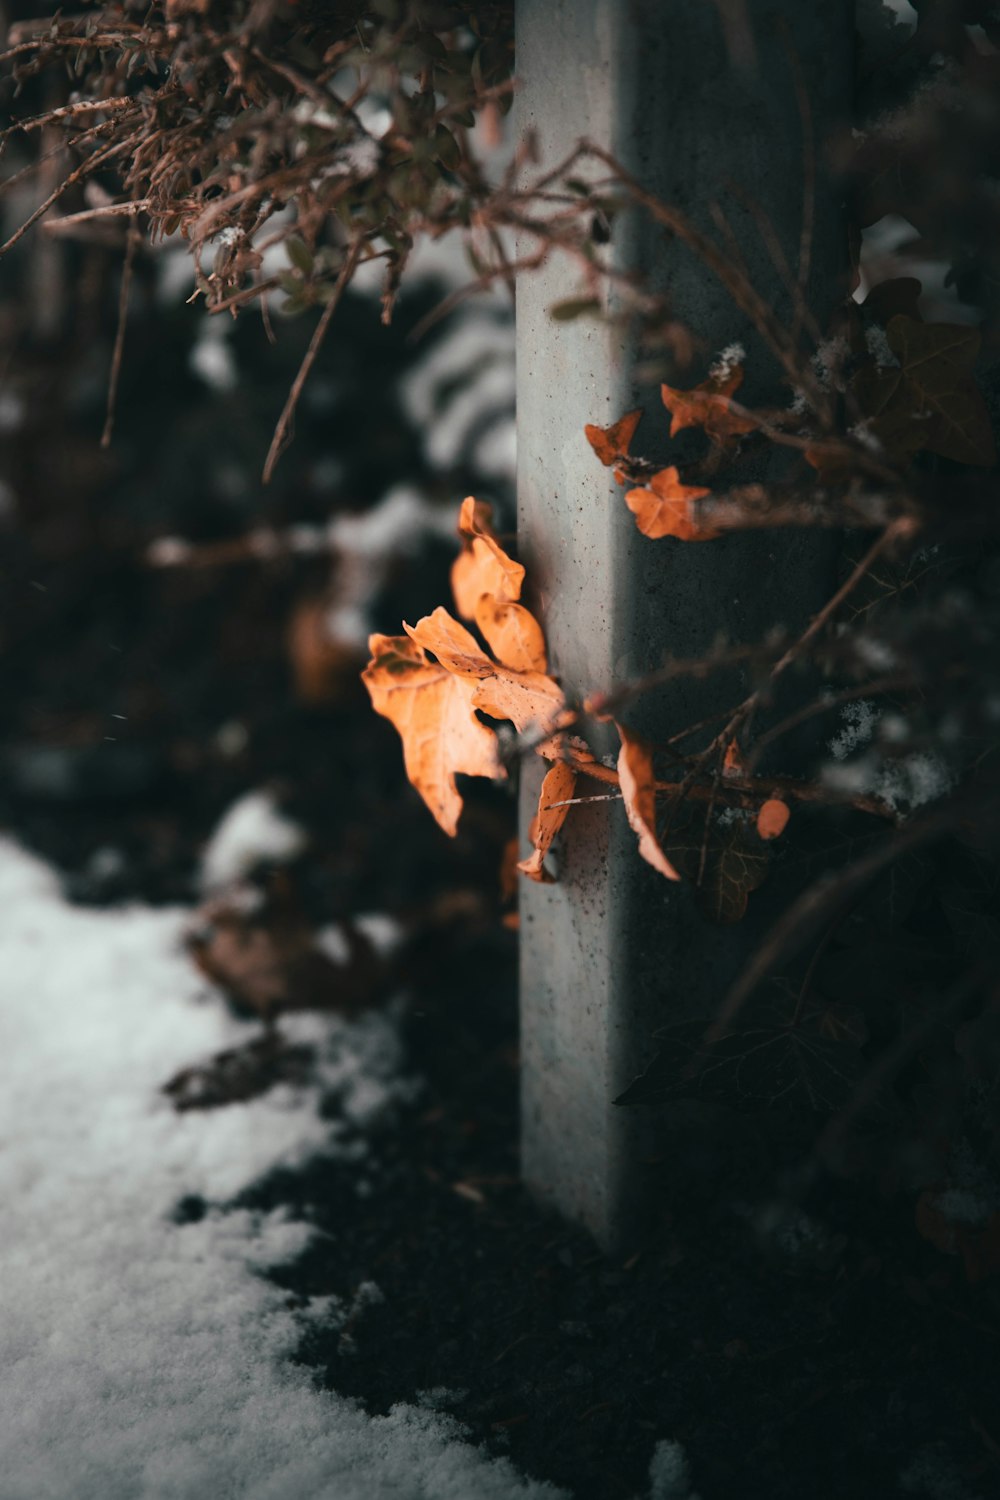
<point>612,951</point>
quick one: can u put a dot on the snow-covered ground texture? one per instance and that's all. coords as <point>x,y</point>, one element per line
<point>143,1358</point>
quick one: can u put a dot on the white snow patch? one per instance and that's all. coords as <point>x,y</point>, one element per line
<point>366,545</point>
<point>251,831</point>
<point>142,1359</point>
<point>903,784</point>
<point>13,412</point>
<point>860,719</point>
<point>669,1473</point>
<point>877,341</point>
<point>726,361</point>
<point>933,1474</point>
<point>384,932</point>
<point>828,362</point>
<point>462,396</point>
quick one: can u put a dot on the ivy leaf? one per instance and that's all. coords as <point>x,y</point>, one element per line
<point>736,862</point>
<point>892,418</point>
<point>937,362</point>
<point>708,405</point>
<point>931,401</point>
<point>900,294</point>
<point>612,443</point>
<point>665,508</point>
<point>780,1053</point>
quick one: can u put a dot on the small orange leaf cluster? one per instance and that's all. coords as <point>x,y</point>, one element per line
<point>664,506</point>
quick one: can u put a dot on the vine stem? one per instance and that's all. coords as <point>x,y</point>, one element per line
<point>315,344</point>
<point>131,246</point>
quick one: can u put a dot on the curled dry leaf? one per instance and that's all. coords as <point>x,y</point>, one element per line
<point>241,1073</point>
<point>732,764</point>
<point>612,443</point>
<point>268,959</point>
<point>530,700</point>
<point>512,634</point>
<point>772,820</point>
<point>434,712</point>
<point>708,405</point>
<point>638,784</point>
<point>558,784</point>
<point>666,509</point>
<point>482,567</point>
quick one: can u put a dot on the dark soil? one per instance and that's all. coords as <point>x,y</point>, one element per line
<point>819,1356</point>
<point>786,1368</point>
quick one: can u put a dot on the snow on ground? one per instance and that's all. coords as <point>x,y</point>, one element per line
<point>143,1359</point>
<point>252,830</point>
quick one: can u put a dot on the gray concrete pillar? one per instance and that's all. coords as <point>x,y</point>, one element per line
<point>612,951</point>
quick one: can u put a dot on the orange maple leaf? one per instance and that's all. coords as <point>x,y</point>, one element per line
<point>432,682</point>
<point>665,508</point>
<point>612,443</point>
<point>486,584</point>
<point>530,700</point>
<point>434,712</point>
<point>558,784</point>
<point>772,820</point>
<point>708,405</point>
<point>512,634</point>
<point>638,784</point>
<point>482,566</point>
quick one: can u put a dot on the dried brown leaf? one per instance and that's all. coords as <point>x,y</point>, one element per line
<point>434,711</point>
<point>638,785</point>
<point>612,443</point>
<point>558,784</point>
<point>665,508</point>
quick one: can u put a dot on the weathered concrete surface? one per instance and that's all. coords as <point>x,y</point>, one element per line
<point>613,951</point>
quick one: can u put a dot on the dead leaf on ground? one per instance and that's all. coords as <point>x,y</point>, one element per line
<point>268,959</point>
<point>240,1073</point>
